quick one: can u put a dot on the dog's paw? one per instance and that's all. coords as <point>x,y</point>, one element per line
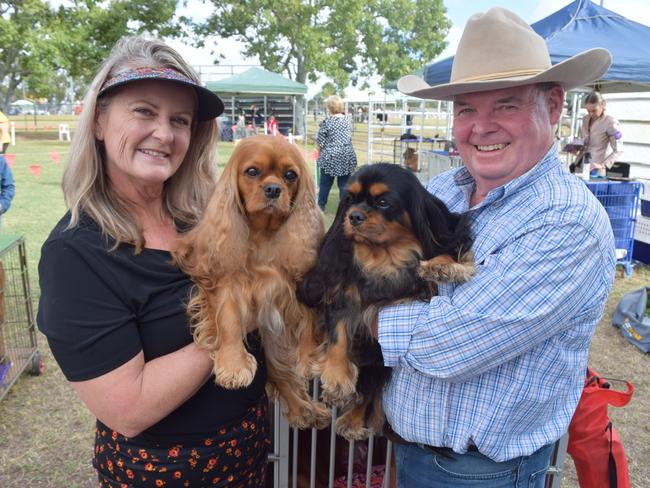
<point>322,416</point>
<point>444,269</point>
<point>233,373</point>
<point>338,380</point>
<point>351,427</point>
<point>311,415</point>
<point>340,391</point>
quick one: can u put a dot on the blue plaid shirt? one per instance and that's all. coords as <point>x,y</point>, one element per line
<point>499,362</point>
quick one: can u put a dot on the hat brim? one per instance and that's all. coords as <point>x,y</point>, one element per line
<point>576,71</point>
<point>209,104</point>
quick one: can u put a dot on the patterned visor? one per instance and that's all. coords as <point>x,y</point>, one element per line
<point>209,106</point>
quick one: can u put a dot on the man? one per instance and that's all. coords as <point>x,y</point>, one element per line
<point>488,374</point>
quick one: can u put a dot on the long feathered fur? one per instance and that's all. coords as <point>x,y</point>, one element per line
<point>390,241</point>
<point>245,256</point>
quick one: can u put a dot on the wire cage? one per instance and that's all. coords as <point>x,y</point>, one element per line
<point>18,345</point>
<point>621,202</point>
<point>322,459</point>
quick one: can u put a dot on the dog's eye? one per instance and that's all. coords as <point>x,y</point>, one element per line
<point>290,175</point>
<point>253,172</point>
<point>382,203</point>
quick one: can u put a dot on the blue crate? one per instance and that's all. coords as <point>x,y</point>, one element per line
<point>621,202</point>
<point>645,207</point>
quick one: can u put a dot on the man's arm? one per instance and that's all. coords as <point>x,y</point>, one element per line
<point>525,292</point>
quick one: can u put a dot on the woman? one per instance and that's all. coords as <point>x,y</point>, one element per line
<point>336,157</point>
<point>113,307</point>
<point>601,136</point>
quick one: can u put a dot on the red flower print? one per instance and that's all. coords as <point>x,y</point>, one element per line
<point>143,454</point>
<point>192,462</point>
<point>216,480</point>
<point>208,442</point>
<point>120,463</point>
<point>178,475</point>
<point>244,424</point>
<point>230,478</point>
<point>148,467</point>
<point>114,435</point>
<point>129,474</point>
<point>233,442</point>
<point>237,453</point>
<point>174,451</point>
<point>160,483</point>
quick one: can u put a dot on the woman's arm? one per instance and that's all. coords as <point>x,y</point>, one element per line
<point>136,395</point>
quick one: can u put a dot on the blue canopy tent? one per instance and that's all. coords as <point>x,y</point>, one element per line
<point>583,25</point>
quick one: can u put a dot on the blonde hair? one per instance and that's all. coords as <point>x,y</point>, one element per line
<point>334,104</point>
<point>86,186</point>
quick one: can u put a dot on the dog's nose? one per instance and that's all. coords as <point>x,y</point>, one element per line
<point>357,218</point>
<point>272,190</point>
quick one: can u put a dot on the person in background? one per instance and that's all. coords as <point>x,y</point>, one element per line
<point>601,135</point>
<point>7,187</point>
<point>256,118</point>
<point>272,125</point>
<point>5,134</point>
<point>409,121</point>
<point>486,375</point>
<point>113,305</point>
<point>336,157</point>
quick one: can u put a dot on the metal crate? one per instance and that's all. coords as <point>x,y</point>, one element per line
<point>621,202</point>
<point>322,459</point>
<point>433,163</point>
<point>18,345</point>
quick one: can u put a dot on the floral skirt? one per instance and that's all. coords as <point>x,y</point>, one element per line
<point>234,456</point>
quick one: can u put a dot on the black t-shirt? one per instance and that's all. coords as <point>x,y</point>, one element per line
<point>99,308</point>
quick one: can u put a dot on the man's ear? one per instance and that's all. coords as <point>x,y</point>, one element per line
<point>555,102</point>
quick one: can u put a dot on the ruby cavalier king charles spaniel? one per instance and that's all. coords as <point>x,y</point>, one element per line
<point>258,237</point>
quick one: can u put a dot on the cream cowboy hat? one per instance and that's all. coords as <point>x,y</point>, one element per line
<point>499,50</point>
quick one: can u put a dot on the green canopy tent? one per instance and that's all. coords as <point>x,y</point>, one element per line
<point>271,90</point>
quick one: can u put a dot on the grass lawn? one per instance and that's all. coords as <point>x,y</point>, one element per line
<point>46,434</point>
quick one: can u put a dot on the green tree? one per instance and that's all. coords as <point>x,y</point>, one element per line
<point>26,56</point>
<point>40,44</point>
<point>347,40</point>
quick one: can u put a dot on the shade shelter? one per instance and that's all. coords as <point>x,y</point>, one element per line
<point>270,91</point>
<point>583,25</point>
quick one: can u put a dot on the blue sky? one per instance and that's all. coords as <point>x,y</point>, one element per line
<point>457,10</point>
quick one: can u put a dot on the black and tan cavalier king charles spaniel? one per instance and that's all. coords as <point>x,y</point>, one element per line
<point>391,241</point>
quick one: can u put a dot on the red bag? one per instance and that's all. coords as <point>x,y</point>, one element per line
<point>594,445</point>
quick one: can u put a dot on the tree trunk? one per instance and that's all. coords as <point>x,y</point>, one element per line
<point>301,76</point>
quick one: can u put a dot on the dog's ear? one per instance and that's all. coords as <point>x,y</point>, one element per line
<point>334,262</point>
<point>301,234</point>
<point>218,243</point>
<point>439,230</point>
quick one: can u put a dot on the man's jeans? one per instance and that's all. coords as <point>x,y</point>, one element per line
<point>418,467</point>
